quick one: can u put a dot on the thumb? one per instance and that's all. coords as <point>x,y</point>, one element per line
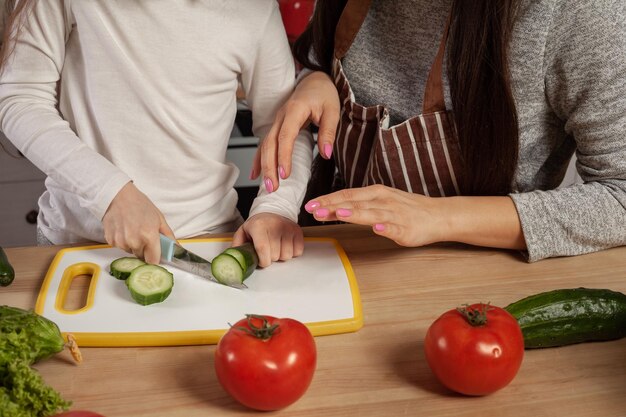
<point>240,237</point>
<point>165,229</point>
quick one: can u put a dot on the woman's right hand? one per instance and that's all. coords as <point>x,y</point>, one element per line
<point>315,99</point>
<point>133,223</point>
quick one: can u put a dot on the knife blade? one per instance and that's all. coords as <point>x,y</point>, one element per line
<point>178,256</point>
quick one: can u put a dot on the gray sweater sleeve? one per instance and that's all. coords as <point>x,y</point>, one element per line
<point>585,81</point>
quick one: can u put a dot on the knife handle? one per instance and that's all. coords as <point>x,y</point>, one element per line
<point>167,247</point>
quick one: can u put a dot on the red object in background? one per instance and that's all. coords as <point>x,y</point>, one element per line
<point>296,15</point>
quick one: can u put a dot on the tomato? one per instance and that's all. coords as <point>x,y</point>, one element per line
<point>266,363</point>
<point>475,350</point>
<point>79,414</point>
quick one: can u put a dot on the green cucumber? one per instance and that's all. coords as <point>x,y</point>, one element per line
<point>227,270</point>
<point>567,316</point>
<point>7,273</point>
<point>149,284</point>
<point>246,256</point>
<point>122,267</point>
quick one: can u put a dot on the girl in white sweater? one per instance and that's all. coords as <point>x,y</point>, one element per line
<point>127,106</point>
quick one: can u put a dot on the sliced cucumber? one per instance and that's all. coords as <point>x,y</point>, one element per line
<point>227,269</point>
<point>246,256</point>
<point>149,284</point>
<point>122,267</point>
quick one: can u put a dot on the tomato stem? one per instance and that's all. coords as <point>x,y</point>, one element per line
<point>264,332</point>
<point>475,316</point>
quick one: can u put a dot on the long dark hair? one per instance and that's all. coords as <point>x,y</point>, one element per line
<point>480,86</point>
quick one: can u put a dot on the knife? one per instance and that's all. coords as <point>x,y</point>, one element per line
<point>181,258</point>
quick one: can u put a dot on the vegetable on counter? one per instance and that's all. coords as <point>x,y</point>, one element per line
<point>29,337</point>
<point>475,350</point>
<point>567,316</point>
<point>7,273</point>
<point>266,363</point>
<point>26,338</point>
<point>235,265</point>
<point>23,392</point>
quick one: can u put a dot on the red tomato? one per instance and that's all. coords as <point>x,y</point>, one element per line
<point>266,363</point>
<point>473,356</point>
<point>79,414</point>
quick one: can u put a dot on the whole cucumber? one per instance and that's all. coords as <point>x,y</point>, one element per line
<point>567,316</point>
<point>7,273</point>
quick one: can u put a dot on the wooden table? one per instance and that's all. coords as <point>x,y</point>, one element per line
<point>379,370</point>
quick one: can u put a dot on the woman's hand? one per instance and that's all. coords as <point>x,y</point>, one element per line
<point>407,219</point>
<point>275,237</point>
<point>133,223</point>
<point>415,220</point>
<point>315,99</point>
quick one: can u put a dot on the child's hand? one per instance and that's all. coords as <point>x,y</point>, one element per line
<point>275,237</point>
<point>133,223</point>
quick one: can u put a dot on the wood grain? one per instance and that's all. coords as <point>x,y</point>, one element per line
<point>379,370</point>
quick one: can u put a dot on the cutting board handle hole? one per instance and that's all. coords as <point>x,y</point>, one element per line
<point>77,288</point>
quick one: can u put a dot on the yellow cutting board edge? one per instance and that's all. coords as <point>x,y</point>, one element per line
<point>198,337</point>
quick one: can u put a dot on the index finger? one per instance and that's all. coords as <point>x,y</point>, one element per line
<point>296,117</point>
<point>347,195</point>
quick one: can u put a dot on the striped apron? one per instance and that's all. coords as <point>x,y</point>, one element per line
<point>420,155</point>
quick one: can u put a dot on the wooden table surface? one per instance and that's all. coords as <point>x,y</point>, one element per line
<point>379,370</point>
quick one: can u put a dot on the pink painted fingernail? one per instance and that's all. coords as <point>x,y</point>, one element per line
<point>344,212</point>
<point>328,150</point>
<point>269,185</point>
<point>281,172</point>
<point>252,174</point>
<point>311,205</point>
<point>379,227</point>
<point>322,212</point>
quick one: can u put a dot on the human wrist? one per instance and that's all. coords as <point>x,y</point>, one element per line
<point>450,219</point>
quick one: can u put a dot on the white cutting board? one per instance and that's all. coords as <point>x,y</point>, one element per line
<point>317,288</point>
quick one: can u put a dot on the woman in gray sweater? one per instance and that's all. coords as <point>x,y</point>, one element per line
<point>456,120</point>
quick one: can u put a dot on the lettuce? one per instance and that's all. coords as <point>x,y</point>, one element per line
<point>23,393</point>
<point>25,338</point>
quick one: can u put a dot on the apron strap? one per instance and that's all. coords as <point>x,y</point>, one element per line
<point>349,24</point>
<point>433,93</point>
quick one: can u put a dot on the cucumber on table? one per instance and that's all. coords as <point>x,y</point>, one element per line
<point>122,267</point>
<point>7,273</point>
<point>235,265</point>
<point>149,284</point>
<point>567,316</point>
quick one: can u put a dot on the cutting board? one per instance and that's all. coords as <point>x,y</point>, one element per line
<point>318,288</point>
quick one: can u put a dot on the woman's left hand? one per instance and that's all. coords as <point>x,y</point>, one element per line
<point>275,237</point>
<point>407,219</point>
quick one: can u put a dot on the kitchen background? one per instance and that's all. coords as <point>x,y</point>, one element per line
<point>21,183</point>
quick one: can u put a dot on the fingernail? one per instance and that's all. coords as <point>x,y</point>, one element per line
<point>344,212</point>
<point>322,212</point>
<point>328,150</point>
<point>252,174</point>
<point>269,186</point>
<point>311,205</point>
<point>379,227</point>
<point>281,172</point>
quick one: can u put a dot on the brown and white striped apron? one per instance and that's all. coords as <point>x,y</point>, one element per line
<point>420,155</point>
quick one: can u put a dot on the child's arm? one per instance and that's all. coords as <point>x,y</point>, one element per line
<point>268,82</point>
<point>30,119</point>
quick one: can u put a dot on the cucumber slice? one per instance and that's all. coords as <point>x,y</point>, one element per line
<point>227,269</point>
<point>246,256</point>
<point>149,284</point>
<point>122,267</point>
